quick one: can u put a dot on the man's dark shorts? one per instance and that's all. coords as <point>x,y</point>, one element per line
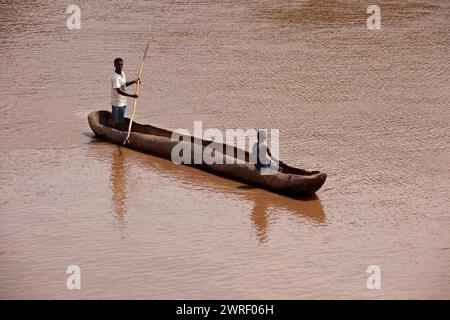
<point>118,114</point>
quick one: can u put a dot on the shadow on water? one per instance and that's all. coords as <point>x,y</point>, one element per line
<point>267,206</point>
<point>89,134</point>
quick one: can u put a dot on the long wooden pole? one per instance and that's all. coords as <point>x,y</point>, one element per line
<point>138,87</point>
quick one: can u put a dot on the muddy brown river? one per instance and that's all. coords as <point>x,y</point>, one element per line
<point>371,108</point>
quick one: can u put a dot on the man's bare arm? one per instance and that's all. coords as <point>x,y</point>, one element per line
<point>129,83</point>
<point>123,93</point>
<point>270,155</point>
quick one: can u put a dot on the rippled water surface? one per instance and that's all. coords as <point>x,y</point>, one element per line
<point>370,108</point>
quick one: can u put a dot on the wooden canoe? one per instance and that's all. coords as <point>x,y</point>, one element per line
<point>158,142</point>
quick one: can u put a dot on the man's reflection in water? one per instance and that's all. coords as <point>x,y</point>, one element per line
<point>118,184</point>
<point>260,220</point>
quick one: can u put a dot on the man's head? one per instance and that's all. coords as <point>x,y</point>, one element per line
<point>118,64</point>
<point>261,136</point>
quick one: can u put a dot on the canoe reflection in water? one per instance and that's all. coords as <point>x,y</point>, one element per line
<point>267,206</point>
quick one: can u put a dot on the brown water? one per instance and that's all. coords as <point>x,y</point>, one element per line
<point>370,108</point>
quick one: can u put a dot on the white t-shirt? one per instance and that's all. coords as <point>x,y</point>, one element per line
<point>264,157</point>
<point>118,81</point>
<point>265,160</point>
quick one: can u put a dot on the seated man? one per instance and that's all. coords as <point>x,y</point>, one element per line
<point>261,156</point>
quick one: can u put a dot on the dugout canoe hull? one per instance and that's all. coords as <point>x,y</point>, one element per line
<point>158,142</point>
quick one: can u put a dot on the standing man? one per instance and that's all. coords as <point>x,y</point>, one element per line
<point>118,92</point>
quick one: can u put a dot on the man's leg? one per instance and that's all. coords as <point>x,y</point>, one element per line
<point>121,120</point>
<point>114,114</point>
